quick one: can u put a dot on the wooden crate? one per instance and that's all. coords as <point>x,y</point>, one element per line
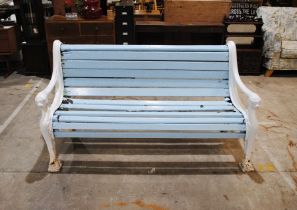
<point>196,11</point>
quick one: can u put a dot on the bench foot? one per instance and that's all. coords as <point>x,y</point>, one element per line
<point>55,166</point>
<point>246,165</point>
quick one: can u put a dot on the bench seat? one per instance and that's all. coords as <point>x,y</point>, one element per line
<point>133,118</point>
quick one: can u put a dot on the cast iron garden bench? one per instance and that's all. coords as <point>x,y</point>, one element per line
<point>140,91</point>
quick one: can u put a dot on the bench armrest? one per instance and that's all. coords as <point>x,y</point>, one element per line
<point>253,98</point>
<point>235,81</point>
<point>42,98</point>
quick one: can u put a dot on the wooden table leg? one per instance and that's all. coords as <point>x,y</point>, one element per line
<point>269,73</point>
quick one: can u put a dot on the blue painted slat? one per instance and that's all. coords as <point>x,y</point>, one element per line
<point>155,48</point>
<point>145,56</point>
<point>171,114</point>
<point>171,135</point>
<point>146,108</point>
<point>143,65</point>
<point>144,62</point>
<point>165,74</point>
<point>151,127</point>
<point>146,92</point>
<point>123,120</point>
<point>104,82</point>
<point>149,102</point>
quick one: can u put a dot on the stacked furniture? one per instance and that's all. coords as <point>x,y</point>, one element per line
<point>9,38</point>
<point>243,27</point>
<point>33,37</point>
<point>160,32</point>
<point>80,31</point>
<point>196,11</point>
<point>124,23</point>
<point>249,55</point>
<point>186,22</point>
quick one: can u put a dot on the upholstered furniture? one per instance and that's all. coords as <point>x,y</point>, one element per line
<point>280,38</point>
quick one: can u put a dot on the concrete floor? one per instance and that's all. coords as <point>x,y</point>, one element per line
<point>138,175</point>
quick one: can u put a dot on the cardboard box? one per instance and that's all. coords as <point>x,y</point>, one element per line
<point>196,11</point>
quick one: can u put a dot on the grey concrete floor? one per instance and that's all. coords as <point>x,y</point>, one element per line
<point>140,175</point>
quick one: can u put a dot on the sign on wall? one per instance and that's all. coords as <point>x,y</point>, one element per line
<point>244,10</point>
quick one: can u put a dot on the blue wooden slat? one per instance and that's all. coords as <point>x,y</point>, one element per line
<point>146,92</point>
<point>171,135</point>
<point>148,114</point>
<point>143,65</point>
<point>155,48</point>
<point>151,127</point>
<point>104,82</point>
<point>165,74</point>
<point>148,102</point>
<point>149,56</point>
<point>146,108</point>
<point>123,120</point>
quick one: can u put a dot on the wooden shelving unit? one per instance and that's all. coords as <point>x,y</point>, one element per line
<point>79,31</point>
<point>249,55</point>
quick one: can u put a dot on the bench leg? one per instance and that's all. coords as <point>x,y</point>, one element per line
<point>246,164</point>
<point>54,163</point>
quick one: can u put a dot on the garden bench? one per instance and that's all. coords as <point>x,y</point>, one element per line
<point>140,91</point>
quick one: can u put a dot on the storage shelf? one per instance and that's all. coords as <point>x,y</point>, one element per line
<point>243,35</point>
<point>244,23</point>
<point>249,55</point>
<point>248,49</point>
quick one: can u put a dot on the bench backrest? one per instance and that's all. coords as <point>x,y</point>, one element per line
<point>140,70</point>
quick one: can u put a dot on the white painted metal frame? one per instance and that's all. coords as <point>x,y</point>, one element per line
<point>57,83</point>
<point>47,111</point>
<point>249,113</point>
